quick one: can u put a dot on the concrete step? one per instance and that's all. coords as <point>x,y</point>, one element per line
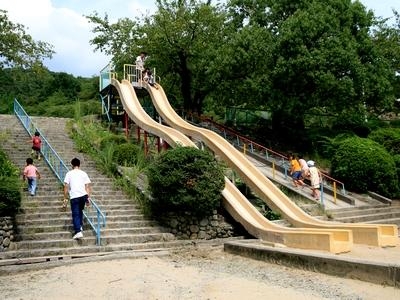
<point>89,239</point>
<point>67,234</point>
<point>36,206</point>
<point>67,226</point>
<point>386,221</point>
<point>51,202</point>
<point>66,219</point>
<point>369,217</point>
<point>362,211</point>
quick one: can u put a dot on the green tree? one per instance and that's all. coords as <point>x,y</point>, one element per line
<point>17,48</point>
<point>322,56</point>
<point>180,38</point>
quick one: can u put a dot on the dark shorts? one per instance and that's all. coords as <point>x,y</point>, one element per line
<point>36,148</point>
<point>296,175</point>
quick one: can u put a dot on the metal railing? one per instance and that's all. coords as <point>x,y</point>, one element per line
<point>59,168</point>
<point>105,76</point>
<point>104,108</point>
<point>135,76</point>
<point>277,159</point>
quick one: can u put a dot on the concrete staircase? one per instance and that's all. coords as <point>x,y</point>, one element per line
<point>369,214</point>
<point>45,229</point>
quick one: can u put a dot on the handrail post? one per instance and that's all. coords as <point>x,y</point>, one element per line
<point>273,170</point>
<point>322,194</point>
<point>334,191</point>
<point>98,228</point>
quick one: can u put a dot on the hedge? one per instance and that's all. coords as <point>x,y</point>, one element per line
<point>364,165</point>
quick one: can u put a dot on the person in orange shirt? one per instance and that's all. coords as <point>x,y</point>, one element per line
<point>295,171</point>
<point>31,174</point>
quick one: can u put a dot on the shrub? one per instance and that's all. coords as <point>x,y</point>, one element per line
<point>112,139</point>
<point>7,169</point>
<point>363,164</point>
<point>126,154</point>
<point>10,187</point>
<point>388,138</point>
<point>10,196</point>
<point>186,179</point>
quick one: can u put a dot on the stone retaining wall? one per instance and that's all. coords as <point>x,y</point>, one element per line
<point>6,234</point>
<point>187,226</point>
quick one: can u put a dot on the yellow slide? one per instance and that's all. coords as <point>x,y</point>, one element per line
<point>370,234</point>
<point>336,241</point>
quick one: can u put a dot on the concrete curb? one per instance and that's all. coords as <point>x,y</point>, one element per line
<point>379,273</point>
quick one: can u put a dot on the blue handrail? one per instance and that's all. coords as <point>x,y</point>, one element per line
<point>59,168</point>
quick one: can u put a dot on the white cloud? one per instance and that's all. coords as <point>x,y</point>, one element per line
<point>62,24</point>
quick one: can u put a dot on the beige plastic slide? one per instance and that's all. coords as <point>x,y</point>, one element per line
<point>335,241</point>
<point>370,234</point>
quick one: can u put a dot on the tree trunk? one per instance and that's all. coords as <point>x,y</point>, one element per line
<point>186,78</point>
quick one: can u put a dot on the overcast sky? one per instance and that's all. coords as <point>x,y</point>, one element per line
<point>62,24</point>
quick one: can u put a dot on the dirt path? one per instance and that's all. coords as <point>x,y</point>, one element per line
<point>207,273</point>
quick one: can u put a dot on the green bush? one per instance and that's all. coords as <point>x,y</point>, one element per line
<point>112,139</point>
<point>10,196</point>
<point>126,154</point>
<point>185,179</point>
<point>7,169</point>
<point>364,165</point>
<point>10,187</point>
<point>388,138</point>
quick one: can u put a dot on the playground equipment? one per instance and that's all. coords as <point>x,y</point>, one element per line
<point>336,241</point>
<point>370,234</point>
<point>310,233</point>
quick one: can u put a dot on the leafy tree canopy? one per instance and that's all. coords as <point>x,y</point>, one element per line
<point>284,56</point>
<point>17,48</point>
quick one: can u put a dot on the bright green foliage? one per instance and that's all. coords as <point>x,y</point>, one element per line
<point>186,179</point>
<point>364,165</point>
<point>7,168</point>
<point>112,139</point>
<point>126,154</point>
<point>46,93</point>
<point>10,196</point>
<point>388,138</point>
<point>17,47</point>
<point>10,187</point>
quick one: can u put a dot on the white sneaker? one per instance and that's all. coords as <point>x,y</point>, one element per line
<point>78,235</point>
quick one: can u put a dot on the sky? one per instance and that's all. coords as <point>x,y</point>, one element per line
<point>62,23</point>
